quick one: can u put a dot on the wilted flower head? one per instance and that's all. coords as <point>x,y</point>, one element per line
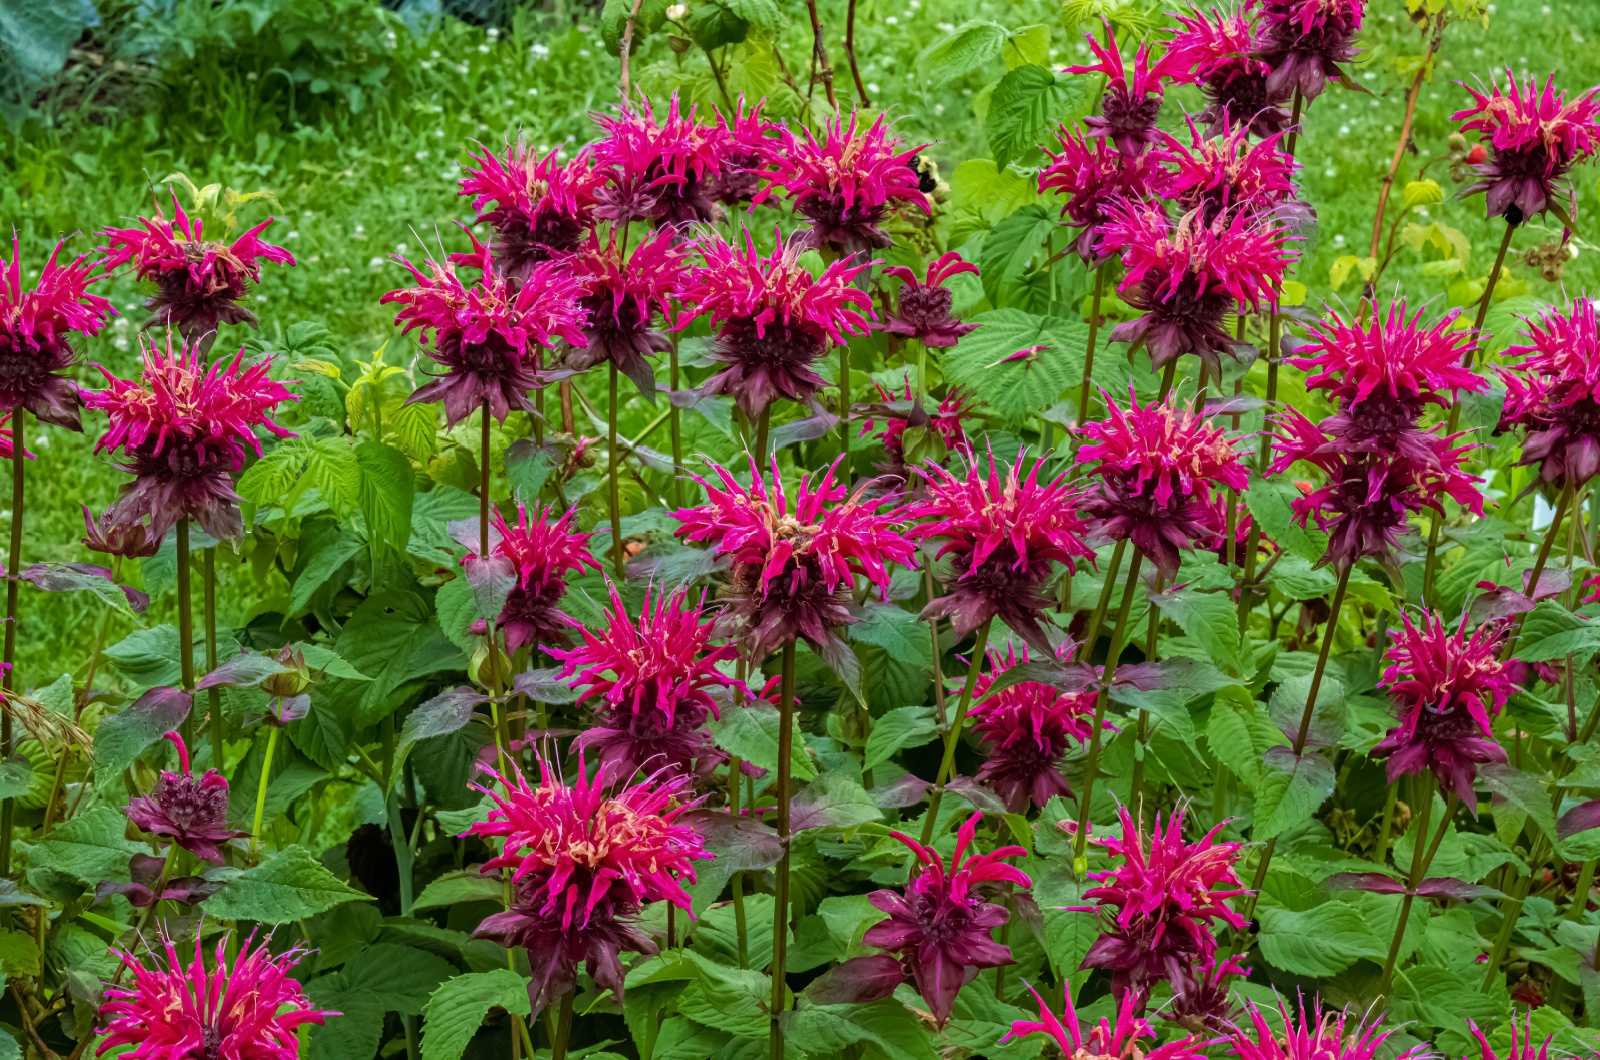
<point>1217,51</point>
<point>846,183</point>
<point>1129,109</point>
<point>922,311</point>
<point>1445,688</point>
<point>663,171</point>
<point>1317,1035</point>
<point>1093,175</point>
<point>543,550</point>
<point>1304,41</point>
<point>36,334</point>
<point>621,299</point>
<point>1202,994</point>
<point>488,335</point>
<point>1537,137</point>
<point>1186,276</point>
<point>901,411</point>
<point>542,206</point>
<point>1230,173</point>
<point>1554,393</point>
<point>749,144</point>
<point>184,427</point>
<point>1166,897</point>
<point>773,319</point>
<point>1162,468</point>
<point>584,858</point>
<point>1003,534</point>
<point>793,564</point>
<point>940,927</point>
<point>114,537</point>
<point>1026,731</point>
<point>199,283</point>
<point>1118,1039</point>
<point>252,1010</point>
<point>191,811</point>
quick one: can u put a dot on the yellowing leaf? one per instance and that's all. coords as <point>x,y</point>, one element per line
<point>1422,193</point>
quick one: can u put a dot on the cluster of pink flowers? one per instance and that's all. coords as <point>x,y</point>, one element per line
<point>191,811</point>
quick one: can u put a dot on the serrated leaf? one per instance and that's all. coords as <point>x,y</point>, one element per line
<point>895,630</point>
<point>1208,619</point>
<point>442,715</point>
<point>392,637</point>
<point>1009,251</point>
<point>89,847</point>
<point>403,977</point>
<point>1290,791</point>
<point>1269,503</point>
<point>456,1009</point>
<point>1523,790</point>
<point>291,885</point>
<point>833,800</point>
<point>1550,631</point>
<point>1288,706</point>
<point>751,733</point>
<point>964,49</point>
<point>901,728</point>
<point>124,736</point>
<point>1026,106</point>
<point>459,887</point>
<point>387,486</point>
<point>1027,386</point>
<point>1318,942</point>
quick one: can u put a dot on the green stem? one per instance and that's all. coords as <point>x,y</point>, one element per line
<point>611,478</point>
<point>1141,747</point>
<point>675,425</point>
<point>219,733</point>
<point>1550,535</point>
<point>780,904</point>
<point>558,1045</point>
<point>1097,619</point>
<point>8,678</point>
<point>483,486</point>
<point>1386,824</point>
<point>844,413</point>
<point>1420,861</point>
<point>1119,637</point>
<point>763,430</point>
<point>953,736</point>
<point>1088,355</point>
<point>261,790</point>
<point>185,624</point>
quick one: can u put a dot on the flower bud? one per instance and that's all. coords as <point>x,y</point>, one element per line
<point>490,667</point>
<point>292,683</point>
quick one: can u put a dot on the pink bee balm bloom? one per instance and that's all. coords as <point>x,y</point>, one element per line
<point>1026,731</point>
<point>773,319</point>
<point>1304,41</point>
<point>199,283</point>
<point>750,145</point>
<point>1230,173</point>
<point>1554,393</point>
<point>1003,533</point>
<point>1202,998</point>
<point>1093,175</point>
<point>584,858</point>
<point>1165,899</point>
<point>940,927</point>
<point>1537,137</point>
<point>1446,687</point>
<point>251,1011</point>
<point>1186,276</point>
<point>922,311</point>
<point>664,171</point>
<point>1129,109</point>
<point>1162,469</point>
<point>184,427</point>
<point>542,206</point>
<point>621,300</point>
<point>1119,1039</point>
<point>191,811</point>
<point>488,335</point>
<point>654,679</point>
<point>1317,1035</point>
<point>543,551</point>
<point>36,334</point>
<point>1217,51</point>
<point>901,411</point>
<point>1522,1042</point>
<point>793,564</point>
<point>846,183</point>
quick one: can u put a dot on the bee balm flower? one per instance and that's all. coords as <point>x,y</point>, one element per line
<point>1230,173</point>
<point>543,551</point>
<point>1129,109</point>
<point>191,811</point>
<point>662,171</point>
<point>1218,52</point>
<point>1026,731</point>
<point>542,206</point>
<point>1554,393</point>
<point>36,335</point>
<point>1118,1039</point>
<point>1093,175</point>
<point>1318,1035</point>
<point>1304,41</point>
<point>1537,137</point>
<point>922,311</point>
<point>621,300</point>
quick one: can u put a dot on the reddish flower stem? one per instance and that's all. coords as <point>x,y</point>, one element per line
<point>675,425</point>
<point>1088,353</point>
<point>611,478</point>
<point>1419,865</point>
<point>219,731</point>
<point>1434,39</point>
<point>8,679</point>
<point>850,52</point>
<point>844,414</point>
<point>627,47</point>
<point>558,1044</point>
<point>953,736</point>
<point>186,625</point>
<point>819,55</point>
<point>1137,786</point>
<point>780,904</point>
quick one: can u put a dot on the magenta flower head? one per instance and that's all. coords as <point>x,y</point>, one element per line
<point>621,300</point>
<point>1304,41</point>
<point>1230,173</point>
<point>542,206</point>
<point>1185,276</point>
<point>189,810</point>
<point>1003,534</point>
<point>662,171</point>
<point>750,143</point>
<point>584,858</point>
<point>1445,686</point>
<point>922,311</point>
<point>1119,1039</point>
<point>183,428</point>
<point>940,927</point>
<point>251,1010</point>
<point>901,411</point>
<point>773,319</point>
<point>1522,1042</point>
<point>792,565</point>
<point>654,680</point>
<point>1129,109</point>
<point>1554,394</point>
<point>1317,1035</point>
<point>1537,137</point>
<point>1165,901</point>
<point>1093,175</point>
<point>488,335</point>
<point>846,183</point>
<point>1026,730</point>
<point>198,283</point>
<point>1217,52</point>
<point>1162,469</point>
<point>1367,499</point>
<point>543,551</point>
<point>36,334</point>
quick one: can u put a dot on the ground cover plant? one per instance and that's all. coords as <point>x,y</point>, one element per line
<point>737,529</point>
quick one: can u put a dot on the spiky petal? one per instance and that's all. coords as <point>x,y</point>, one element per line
<point>1316,1035</point>
<point>543,551</point>
<point>621,300</point>
<point>1554,393</point>
<point>664,170</point>
<point>1537,136</point>
<point>36,329</point>
<point>1093,175</point>
<point>940,927</point>
<point>1216,50</point>
<point>1522,1042</point>
<point>1121,1038</point>
<point>1304,41</point>
<point>922,310</point>
<point>1026,731</point>
<point>191,811</point>
<point>1230,173</point>
<point>750,145</point>
<point>541,206</point>
<point>1130,106</point>
<point>897,412</point>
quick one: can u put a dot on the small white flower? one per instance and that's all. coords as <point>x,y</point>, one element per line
<point>584,53</point>
<point>374,262</point>
<point>483,49</point>
<point>891,21</point>
<point>872,88</point>
<point>493,33</point>
<point>1338,241</point>
<point>421,156</point>
<point>677,11</point>
<point>294,234</point>
<point>938,110</point>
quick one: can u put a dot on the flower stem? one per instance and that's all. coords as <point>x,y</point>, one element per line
<point>261,790</point>
<point>219,732</point>
<point>675,425</point>
<point>780,904</point>
<point>1098,618</point>
<point>627,46</point>
<point>819,55</point>
<point>1434,39</point>
<point>850,52</point>
<point>1562,504</point>
<point>1386,824</point>
<point>844,412</point>
<point>8,677</point>
<point>1141,748</point>
<point>611,477</point>
<point>185,624</point>
<point>1119,637</point>
<point>953,735</point>
<point>763,430</point>
<point>1420,861</point>
<point>734,770</point>
<point>1294,124</point>
<point>483,486</point>
<point>1088,354</point>
<point>558,1044</point>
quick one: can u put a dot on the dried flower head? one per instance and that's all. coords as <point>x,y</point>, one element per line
<point>36,330</point>
<point>1537,137</point>
<point>773,319</point>
<point>1230,173</point>
<point>1554,393</point>
<point>1317,1035</point>
<point>1162,469</point>
<point>621,300</point>
<point>922,310</point>
<point>542,206</point>
<point>252,1009</point>
<point>1026,731</point>
<point>584,857</point>
<point>1445,686</point>
<point>1093,175</point>
<point>1216,50</point>
<point>1118,1039</point>
<point>940,927</point>
<point>1304,41</point>
<point>664,171</point>
<point>543,550</point>
<point>191,811</point>
<point>199,283</point>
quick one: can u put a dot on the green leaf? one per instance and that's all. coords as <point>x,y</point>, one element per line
<point>322,564</point>
<point>457,1008</point>
<point>1209,620</point>
<point>89,847</point>
<point>332,468</point>
<point>1317,942</point>
<point>897,631</point>
<point>1327,717</point>
<point>358,1027</point>
<point>1269,502</point>
<point>1009,252</point>
<point>149,657</point>
<point>35,38</point>
<point>459,887</point>
<point>1026,106</point>
<point>752,734</point>
<point>833,800</point>
<point>734,1001</point>
<point>713,24</point>
<point>16,776</point>
<point>1523,790</point>
<point>288,886</point>
<point>386,489</point>
<point>1027,386</point>
<point>270,480</point>
<point>393,637</point>
<point>1240,733</point>
<point>19,955</point>
<point>402,976</point>
<point>1550,631</point>
<point>966,48</point>
<point>830,1030</point>
<point>1290,792</point>
<point>901,728</point>
<point>442,715</point>
<point>416,427</point>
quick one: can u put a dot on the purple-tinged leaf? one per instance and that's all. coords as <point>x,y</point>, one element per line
<point>242,671</point>
<point>78,577</point>
<point>741,843</point>
<point>857,981</point>
<point>466,534</point>
<point>124,736</point>
<point>977,796</point>
<point>1498,602</point>
<point>442,715</point>
<point>832,801</point>
<point>1193,676</point>
<point>1067,677</point>
<point>492,581</point>
<point>1448,887</point>
<point>544,686</point>
<point>1579,819</point>
<point>900,793</point>
<point>803,430</point>
<point>1375,882</point>
<point>145,872</point>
